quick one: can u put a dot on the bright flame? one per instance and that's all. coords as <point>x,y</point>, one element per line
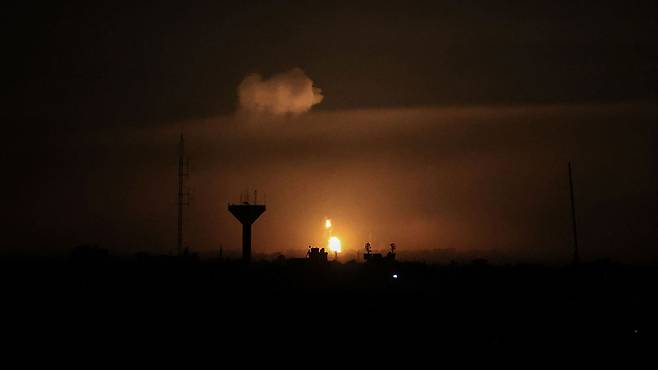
<point>334,244</point>
<point>327,224</point>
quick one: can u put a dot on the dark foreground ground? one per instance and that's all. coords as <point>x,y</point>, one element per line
<point>300,305</point>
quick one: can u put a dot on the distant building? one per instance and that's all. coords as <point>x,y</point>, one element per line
<point>316,255</point>
<point>370,257</point>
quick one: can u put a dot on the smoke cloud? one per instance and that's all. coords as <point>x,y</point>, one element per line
<point>287,92</point>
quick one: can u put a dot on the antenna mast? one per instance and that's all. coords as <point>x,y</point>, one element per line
<point>183,196</point>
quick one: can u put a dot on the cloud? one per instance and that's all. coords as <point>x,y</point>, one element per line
<point>287,92</point>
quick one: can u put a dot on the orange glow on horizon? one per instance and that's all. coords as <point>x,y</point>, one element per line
<point>335,244</point>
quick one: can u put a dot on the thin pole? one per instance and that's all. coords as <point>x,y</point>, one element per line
<point>181,176</point>
<point>573,219</point>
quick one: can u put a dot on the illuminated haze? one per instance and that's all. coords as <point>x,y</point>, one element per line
<point>478,179</point>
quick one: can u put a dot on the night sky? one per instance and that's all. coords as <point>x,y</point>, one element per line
<point>444,124</point>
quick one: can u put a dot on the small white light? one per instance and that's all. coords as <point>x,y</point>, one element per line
<point>395,276</point>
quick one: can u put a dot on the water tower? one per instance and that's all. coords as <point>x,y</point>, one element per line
<point>247,214</point>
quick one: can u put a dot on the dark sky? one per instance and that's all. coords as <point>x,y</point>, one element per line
<point>163,60</point>
<point>443,124</point>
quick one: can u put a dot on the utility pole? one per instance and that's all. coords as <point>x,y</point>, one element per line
<point>183,196</point>
<point>573,220</point>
